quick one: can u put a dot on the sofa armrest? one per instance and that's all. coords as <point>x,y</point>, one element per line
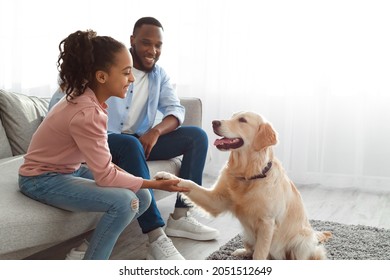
<point>193,106</point>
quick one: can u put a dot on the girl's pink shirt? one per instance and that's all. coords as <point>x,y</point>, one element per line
<point>73,133</point>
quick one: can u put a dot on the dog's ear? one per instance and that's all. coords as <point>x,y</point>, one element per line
<point>265,137</point>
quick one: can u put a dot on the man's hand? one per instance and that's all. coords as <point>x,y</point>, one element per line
<point>148,140</point>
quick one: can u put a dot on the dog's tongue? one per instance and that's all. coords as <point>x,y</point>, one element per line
<point>224,140</point>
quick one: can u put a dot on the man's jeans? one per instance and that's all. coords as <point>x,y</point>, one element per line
<point>189,141</point>
<point>78,192</point>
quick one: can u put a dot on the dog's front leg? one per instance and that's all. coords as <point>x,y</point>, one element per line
<point>207,199</point>
<point>264,236</point>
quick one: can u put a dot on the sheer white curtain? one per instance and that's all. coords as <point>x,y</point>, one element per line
<point>319,71</point>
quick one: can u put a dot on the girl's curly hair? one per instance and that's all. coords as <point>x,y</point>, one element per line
<point>83,53</point>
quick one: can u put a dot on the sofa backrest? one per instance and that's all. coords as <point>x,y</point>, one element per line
<point>20,116</point>
<point>5,147</point>
<point>193,106</point>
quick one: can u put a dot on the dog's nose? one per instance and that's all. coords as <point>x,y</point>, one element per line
<point>216,124</point>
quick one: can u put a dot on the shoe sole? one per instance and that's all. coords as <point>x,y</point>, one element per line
<point>149,257</point>
<point>186,234</point>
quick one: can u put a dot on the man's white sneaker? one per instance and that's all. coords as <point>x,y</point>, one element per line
<point>78,253</point>
<point>189,227</point>
<point>163,249</point>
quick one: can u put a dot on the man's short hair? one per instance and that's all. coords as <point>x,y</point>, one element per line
<point>147,20</point>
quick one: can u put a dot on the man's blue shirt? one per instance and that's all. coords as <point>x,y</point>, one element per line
<point>162,97</point>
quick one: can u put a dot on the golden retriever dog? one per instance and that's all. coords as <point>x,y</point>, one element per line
<point>255,188</point>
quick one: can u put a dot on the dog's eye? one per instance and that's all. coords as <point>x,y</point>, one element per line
<point>242,120</point>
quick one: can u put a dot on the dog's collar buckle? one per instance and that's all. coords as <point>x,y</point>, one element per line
<point>263,174</point>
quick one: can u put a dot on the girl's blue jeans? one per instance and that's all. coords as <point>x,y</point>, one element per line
<point>78,192</point>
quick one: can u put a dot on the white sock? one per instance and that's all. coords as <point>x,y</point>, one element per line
<point>179,213</point>
<point>83,246</point>
<point>154,234</point>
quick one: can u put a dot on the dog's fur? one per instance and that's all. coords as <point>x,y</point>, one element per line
<point>269,208</point>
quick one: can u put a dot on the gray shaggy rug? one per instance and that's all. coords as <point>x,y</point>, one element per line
<point>349,242</point>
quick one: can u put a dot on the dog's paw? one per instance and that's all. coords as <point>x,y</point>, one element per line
<point>241,252</point>
<point>188,184</point>
<point>323,236</point>
<point>162,175</point>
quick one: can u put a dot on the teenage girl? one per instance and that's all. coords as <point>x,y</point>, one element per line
<point>68,163</point>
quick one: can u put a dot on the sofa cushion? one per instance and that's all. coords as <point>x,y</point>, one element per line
<point>21,116</point>
<point>5,148</point>
<point>26,223</point>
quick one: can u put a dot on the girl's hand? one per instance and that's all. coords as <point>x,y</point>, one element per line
<point>165,185</point>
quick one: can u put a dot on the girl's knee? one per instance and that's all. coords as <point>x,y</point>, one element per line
<point>127,201</point>
<point>135,205</point>
<point>134,202</point>
<point>145,199</point>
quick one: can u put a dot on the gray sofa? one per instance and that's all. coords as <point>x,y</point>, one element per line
<point>27,226</point>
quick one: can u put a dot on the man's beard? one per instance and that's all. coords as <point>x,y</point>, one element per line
<point>138,61</point>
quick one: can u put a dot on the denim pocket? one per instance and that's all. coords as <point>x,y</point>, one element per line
<point>35,186</point>
<point>27,186</point>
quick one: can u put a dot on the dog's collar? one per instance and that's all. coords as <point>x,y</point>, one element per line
<point>259,176</point>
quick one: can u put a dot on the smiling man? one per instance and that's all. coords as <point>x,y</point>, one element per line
<point>134,139</point>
